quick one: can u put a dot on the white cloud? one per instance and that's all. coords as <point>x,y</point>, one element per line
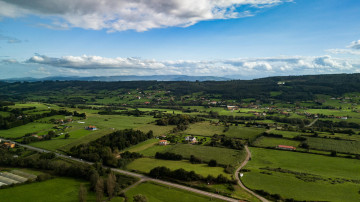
<point>355,45</point>
<point>139,15</point>
<point>344,51</point>
<point>297,65</point>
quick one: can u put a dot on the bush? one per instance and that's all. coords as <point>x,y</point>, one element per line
<point>195,160</point>
<point>212,163</point>
<point>168,156</point>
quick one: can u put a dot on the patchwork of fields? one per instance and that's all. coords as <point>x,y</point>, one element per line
<point>303,176</point>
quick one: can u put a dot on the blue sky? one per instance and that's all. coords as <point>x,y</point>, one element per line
<point>233,38</point>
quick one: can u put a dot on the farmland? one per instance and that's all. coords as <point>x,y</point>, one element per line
<point>40,191</point>
<point>343,146</point>
<point>155,192</point>
<point>146,164</point>
<point>222,119</point>
<point>221,155</point>
<point>22,130</point>
<point>324,183</point>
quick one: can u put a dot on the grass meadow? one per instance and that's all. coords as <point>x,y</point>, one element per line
<point>343,146</point>
<point>331,172</point>
<point>146,164</point>
<point>59,189</point>
<point>155,192</point>
<point>206,153</point>
<point>273,142</point>
<point>24,129</point>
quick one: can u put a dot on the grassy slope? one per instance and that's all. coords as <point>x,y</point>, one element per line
<point>206,153</point>
<point>24,129</point>
<point>289,186</point>
<point>58,189</point>
<point>155,192</point>
<point>273,142</point>
<point>146,164</point>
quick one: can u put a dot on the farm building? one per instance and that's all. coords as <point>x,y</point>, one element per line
<point>163,142</point>
<point>285,147</point>
<point>190,139</point>
<point>91,128</point>
<point>8,145</point>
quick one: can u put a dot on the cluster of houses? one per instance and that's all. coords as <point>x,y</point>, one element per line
<point>90,127</point>
<point>7,145</point>
<point>189,139</point>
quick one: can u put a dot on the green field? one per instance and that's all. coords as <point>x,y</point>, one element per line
<point>60,141</point>
<point>146,164</point>
<point>59,189</point>
<point>24,129</point>
<point>204,129</point>
<point>273,142</point>
<point>143,145</point>
<point>323,178</point>
<point>157,130</point>
<point>151,151</point>
<point>287,134</point>
<point>155,192</point>
<point>343,146</point>
<point>4,114</point>
<point>243,132</point>
<point>206,153</point>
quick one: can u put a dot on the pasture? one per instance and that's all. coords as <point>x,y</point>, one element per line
<point>156,192</point>
<point>24,129</point>
<point>146,164</point>
<point>223,156</point>
<point>204,129</point>
<point>59,189</point>
<point>243,132</point>
<point>323,178</point>
<point>343,146</point>
<point>273,142</point>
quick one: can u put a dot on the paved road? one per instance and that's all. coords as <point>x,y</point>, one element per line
<point>141,177</point>
<point>312,123</point>
<point>248,155</point>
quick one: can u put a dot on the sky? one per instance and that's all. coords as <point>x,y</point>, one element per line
<point>240,39</point>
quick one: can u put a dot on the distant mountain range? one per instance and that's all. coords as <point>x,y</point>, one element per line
<point>124,78</point>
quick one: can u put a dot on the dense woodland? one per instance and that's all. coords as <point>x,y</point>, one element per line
<point>295,88</point>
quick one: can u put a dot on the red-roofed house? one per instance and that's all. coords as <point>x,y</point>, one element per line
<point>91,128</point>
<point>163,142</point>
<point>285,147</point>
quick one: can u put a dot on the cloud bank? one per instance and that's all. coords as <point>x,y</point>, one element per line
<point>297,65</point>
<point>139,15</point>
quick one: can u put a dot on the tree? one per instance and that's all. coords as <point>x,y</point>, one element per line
<point>212,163</point>
<point>67,135</point>
<point>111,184</point>
<point>82,193</point>
<point>99,189</point>
<point>140,198</point>
<point>93,179</point>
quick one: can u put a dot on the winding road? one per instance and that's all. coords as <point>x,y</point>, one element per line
<point>142,178</point>
<point>248,156</point>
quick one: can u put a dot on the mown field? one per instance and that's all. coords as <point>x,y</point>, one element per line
<point>204,129</point>
<point>273,142</point>
<point>303,176</point>
<point>155,192</point>
<point>243,132</point>
<point>146,164</point>
<point>343,146</point>
<point>24,129</point>
<point>208,129</point>
<point>206,153</point>
<point>59,189</point>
